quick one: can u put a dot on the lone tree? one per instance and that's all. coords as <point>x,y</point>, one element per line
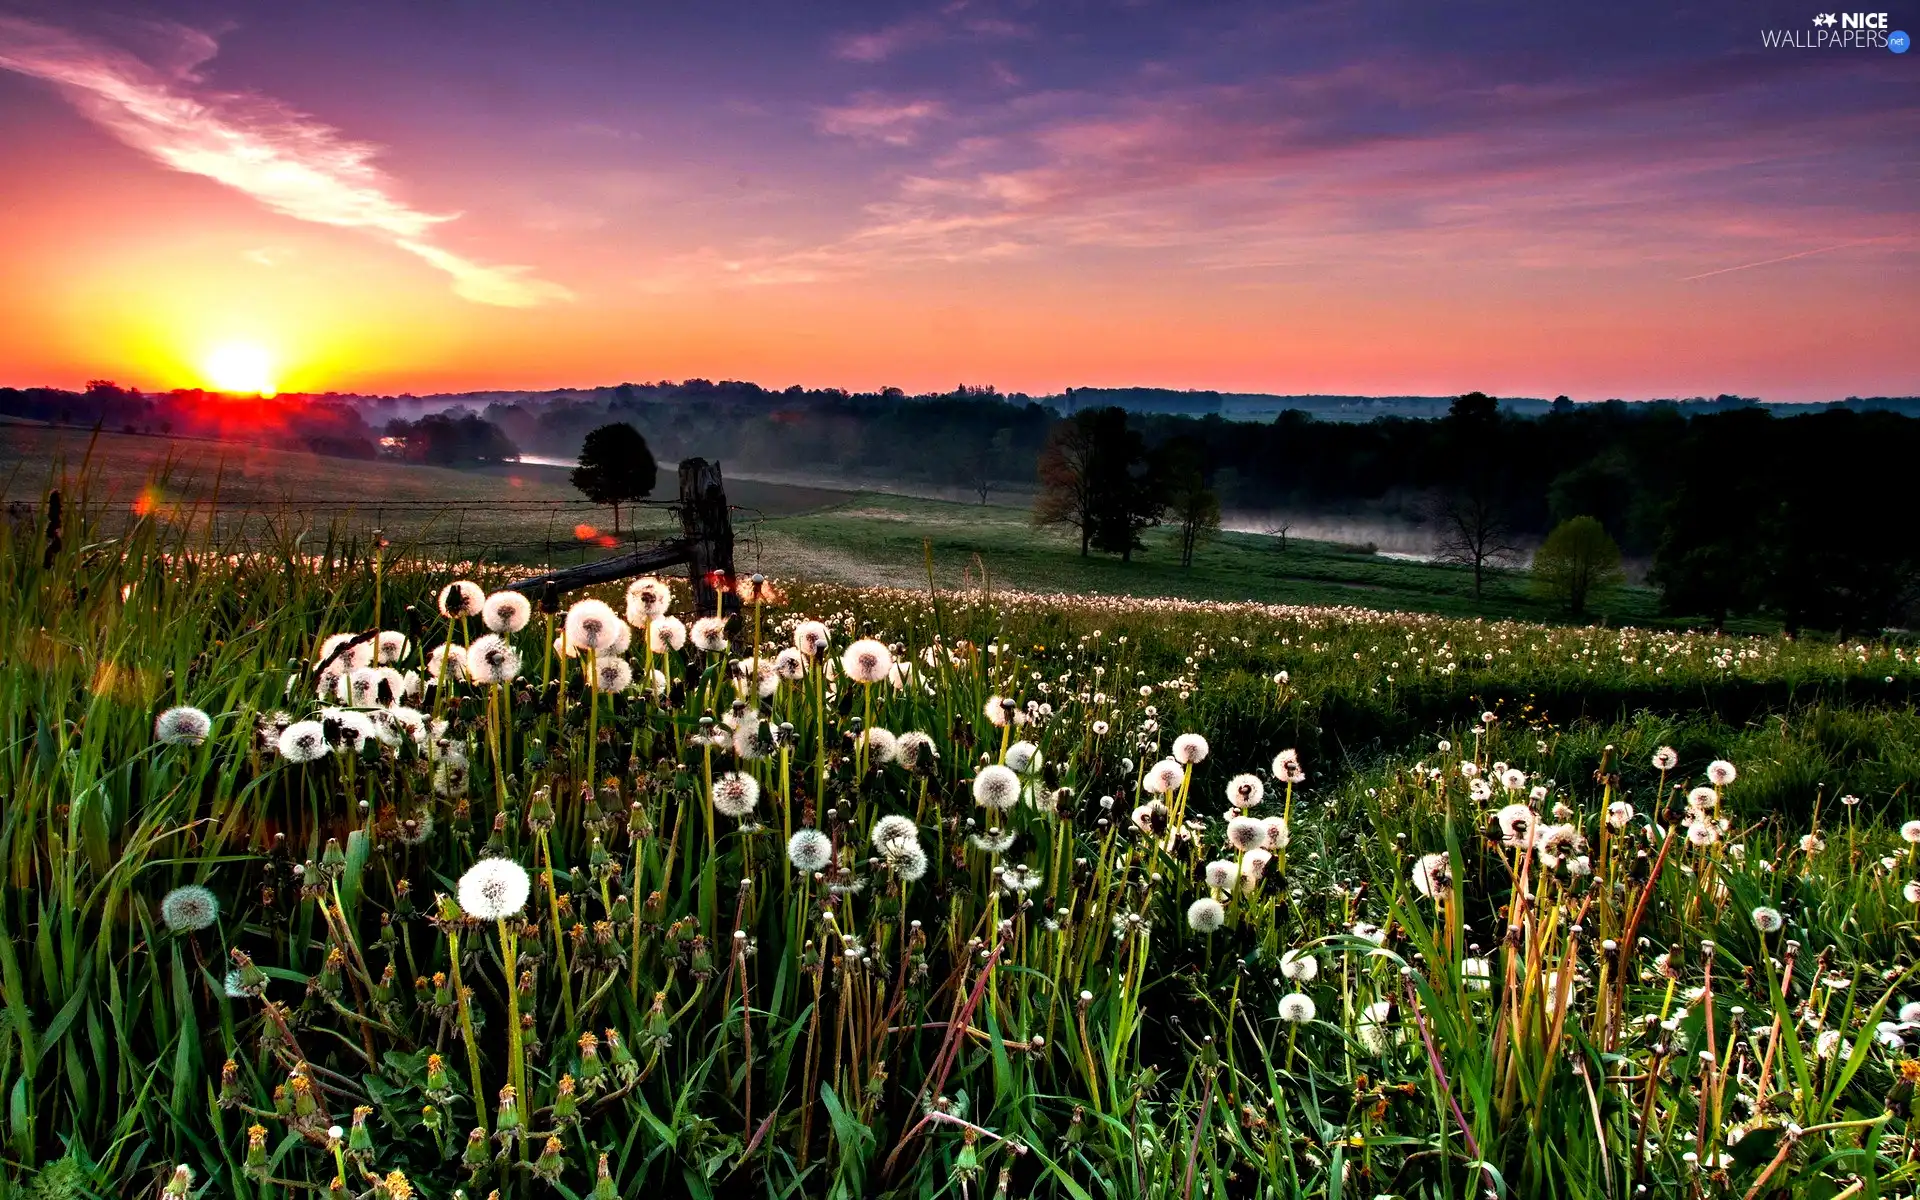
<point>1577,560</point>
<point>1191,504</point>
<point>1473,531</point>
<point>616,468</point>
<point>1095,476</point>
<point>1471,515</point>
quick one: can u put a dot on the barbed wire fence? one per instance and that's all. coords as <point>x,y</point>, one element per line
<point>570,532</point>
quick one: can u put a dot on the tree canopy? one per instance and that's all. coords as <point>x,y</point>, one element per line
<point>616,467</point>
<point>1577,561</point>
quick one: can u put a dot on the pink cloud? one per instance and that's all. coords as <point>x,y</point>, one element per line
<point>874,118</point>
<point>284,160</point>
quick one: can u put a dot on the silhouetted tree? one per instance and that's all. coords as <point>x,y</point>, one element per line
<point>986,463</point>
<point>446,439</point>
<point>1069,478</point>
<point>1095,475</point>
<point>1577,561</point>
<point>1191,504</point>
<point>616,467</point>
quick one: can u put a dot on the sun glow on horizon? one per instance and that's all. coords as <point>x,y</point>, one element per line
<point>241,367</point>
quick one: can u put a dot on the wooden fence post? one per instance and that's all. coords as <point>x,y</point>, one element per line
<point>705,545</point>
<point>706,525</point>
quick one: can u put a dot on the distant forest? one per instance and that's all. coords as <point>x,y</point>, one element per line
<point>1739,507</point>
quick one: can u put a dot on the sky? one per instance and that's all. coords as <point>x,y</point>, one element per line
<point>1633,199</point>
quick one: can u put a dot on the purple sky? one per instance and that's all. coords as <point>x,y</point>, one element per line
<point>1632,199</point>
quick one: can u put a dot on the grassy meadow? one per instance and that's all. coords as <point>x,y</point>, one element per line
<point>529,515</point>
<point>334,870</point>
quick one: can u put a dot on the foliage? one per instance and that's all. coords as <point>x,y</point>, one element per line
<point>616,467</point>
<point>1096,476</point>
<point>1577,562</point>
<point>1192,506</point>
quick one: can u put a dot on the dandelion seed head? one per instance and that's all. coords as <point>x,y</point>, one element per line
<point>648,598</point>
<point>809,850</point>
<point>492,659</point>
<point>1433,876</point>
<point>1296,1008</point>
<point>303,742</point>
<point>996,787</point>
<point>866,661</point>
<point>810,638</point>
<point>592,625</point>
<point>1245,791</point>
<point>461,598</point>
<point>506,612</point>
<point>709,635</point>
<point>494,889</point>
<point>735,793</point>
<point>182,725</point>
<point>1299,966</point>
<point>1246,833</point>
<point>1205,915</point>
<point>189,909</point>
<point>1163,777</point>
<point>916,750</point>
<point>1189,748</point>
<point>612,675</point>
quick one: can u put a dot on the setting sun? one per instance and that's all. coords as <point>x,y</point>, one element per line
<point>240,367</point>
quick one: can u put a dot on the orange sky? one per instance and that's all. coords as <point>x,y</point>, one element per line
<point>1351,223</point>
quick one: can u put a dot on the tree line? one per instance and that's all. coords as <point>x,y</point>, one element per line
<point>1739,510</point>
<point>1740,513</point>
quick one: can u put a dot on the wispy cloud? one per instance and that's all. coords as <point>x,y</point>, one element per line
<point>871,117</point>
<point>1386,161</point>
<point>878,45</point>
<point>287,161</point>
<point>955,20</point>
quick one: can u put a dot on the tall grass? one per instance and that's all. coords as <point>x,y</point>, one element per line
<point>1029,1009</point>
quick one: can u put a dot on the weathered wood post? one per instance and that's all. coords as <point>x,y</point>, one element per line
<point>706,526</point>
<point>705,545</point>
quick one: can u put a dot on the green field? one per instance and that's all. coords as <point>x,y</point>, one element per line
<point>528,514</point>
<point>1169,897</point>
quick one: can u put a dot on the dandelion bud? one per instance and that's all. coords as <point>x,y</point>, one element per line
<point>476,1155</point>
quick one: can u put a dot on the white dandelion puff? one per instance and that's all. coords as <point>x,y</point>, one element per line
<point>996,787</point>
<point>866,661</point>
<point>494,889</point>
<point>1163,777</point>
<point>612,675</point>
<point>190,908</point>
<point>182,725</point>
<point>592,625</point>
<point>809,850</point>
<point>1205,915</point>
<point>506,612</point>
<point>735,794</point>
<point>1189,748</point>
<point>709,634</point>
<point>303,742</point>
<point>1245,791</point>
<point>1296,1008</point>
<point>666,633</point>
